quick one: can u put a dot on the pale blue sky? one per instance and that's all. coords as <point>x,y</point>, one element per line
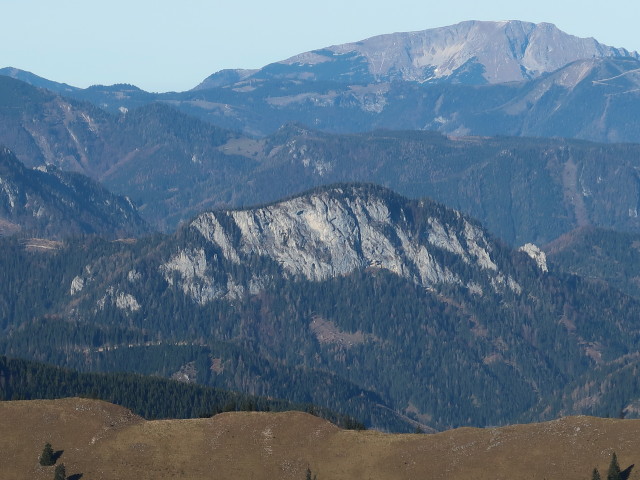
<point>169,45</point>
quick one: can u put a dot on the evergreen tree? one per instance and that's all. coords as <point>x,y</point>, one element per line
<point>60,473</point>
<point>47,457</point>
<point>614,469</point>
<point>595,475</point>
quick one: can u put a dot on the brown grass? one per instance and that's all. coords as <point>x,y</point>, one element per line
<point>103,441</point>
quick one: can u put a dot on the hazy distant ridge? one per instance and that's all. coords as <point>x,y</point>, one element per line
<point>475,52</point>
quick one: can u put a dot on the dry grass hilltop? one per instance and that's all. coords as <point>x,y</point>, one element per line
<point>101,441</point>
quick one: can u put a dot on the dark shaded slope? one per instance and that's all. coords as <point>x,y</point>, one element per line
<point>55,204</point>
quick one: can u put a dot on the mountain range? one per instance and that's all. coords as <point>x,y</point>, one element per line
<point>156,150</point>
<point>173,166</point>
<point>474,78</point>
<point>307,262</point>
<point>277,301</point>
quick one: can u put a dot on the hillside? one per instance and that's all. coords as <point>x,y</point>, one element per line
<point>173,166</point>
<point>99,440</point>
<point>606,255</point>
<point>397,312</point>
<point>162,159</point>
<point>48,202</point>
<point>590,99</point>
<point>522,190</point>
<point>151,397</point>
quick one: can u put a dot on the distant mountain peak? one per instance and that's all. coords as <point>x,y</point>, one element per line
<point>224,77</point>
<point>495,52</point>
<point>36,81</point>
<point>470,52</point>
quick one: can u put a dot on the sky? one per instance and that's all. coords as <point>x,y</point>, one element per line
<point>163,45</point>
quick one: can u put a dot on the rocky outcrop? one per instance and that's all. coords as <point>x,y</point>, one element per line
<point>121,300</point>
<point>77,284</point>
<point>191,266</point>
<point>536,254</point>
<point>336,231</point>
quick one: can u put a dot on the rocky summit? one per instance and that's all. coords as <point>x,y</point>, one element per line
<point>336,231</point>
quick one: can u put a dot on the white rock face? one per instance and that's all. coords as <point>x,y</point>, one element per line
<point>134,276</point>
<point>126,301</point>
<point>122,300</point>
<point>440,237</point>
<point>194,277</point>
<point>207,224</point>
<point>77,284</point>
<point>312,237</point>
<point>507,51</point>
<point>500,283</point>
<point>191,267</point>
<point>478,246</point>
<point>10,192</point>
<point>80,281</point>
<point>475,288</point>
<point>328,234</point>
<point>538,255</point>
<point>188,263</point>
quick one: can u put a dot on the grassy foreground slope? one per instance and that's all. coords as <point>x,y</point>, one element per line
<point>102,441</point>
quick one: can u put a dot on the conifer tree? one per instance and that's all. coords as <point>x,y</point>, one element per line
<point>60,473</point>
<point>47,457</point>
<point>614,469</point>
<point>595,475</point>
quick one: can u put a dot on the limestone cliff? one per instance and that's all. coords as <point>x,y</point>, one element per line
<point>336,231</point>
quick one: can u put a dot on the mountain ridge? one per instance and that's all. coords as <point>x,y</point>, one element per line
<point>473,78</point>
<point>364,227</point>
<point>56,204</point>
<point>174,166</point>
<point>473,52</point>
